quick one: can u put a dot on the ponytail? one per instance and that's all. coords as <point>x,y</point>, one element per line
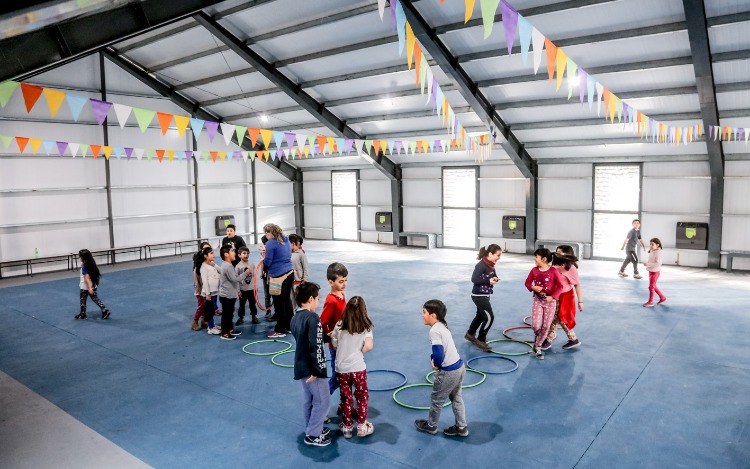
<point>490,249</point>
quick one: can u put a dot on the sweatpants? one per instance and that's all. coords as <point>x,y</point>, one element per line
<point>447,385</point>
<point>630,257</point>
<point>542,313</point>
<point>315,402</point>
<point>227,314</point>
<point>484,317</point>
<point>199,311</point>
<point>247,296</point>
<point>84,296</point>
<point>358,379</point>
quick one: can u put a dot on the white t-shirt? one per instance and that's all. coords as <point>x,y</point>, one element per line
<point>440,335</point>
<point>349,356</point>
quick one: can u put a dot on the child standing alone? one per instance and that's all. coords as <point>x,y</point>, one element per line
<point>88,283</point>
<point>653,265</point>
<point>351,338</point>
<point>546,284</point>
<point>483,278</point>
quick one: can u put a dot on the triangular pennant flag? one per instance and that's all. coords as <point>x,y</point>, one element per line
<point>35,144</point>
<point>170,155</point>
<point>348,145</point>
<point>22,141</point>
<point>376,146</point>
<point>244,155</point>
<point>164,120</point>
<point>410,40</point>
<point>107,150</point>
<point>551,57</point>
<point>95,149</point>
<point>6,139</point>
<point>48,145</point>
<point>251,154</point>
<point>358,145</point>
<point>188,154</point>
<point>417,62</point>
<point>222,155</point>
<point>144,117</point>
<point>331,143</point>
<point>424,67</point>
<point>240,131</point>
<point>180,154</point>
<point>266,135</point>
<point>61,147</point>
<point>391,144</point>
<point>321,145</point>
<point>510,22</point>
<point>618,108</point>
<point>253,133</point>
<point>75,104</point>
<point>583,80</point>
<point>599,93</point>
<point>278,139</point>
<point>73,149</point>
<point>290,138</point>
<point>214,154</point>
<point>570,69</point>
<point>116,150</point>
<point>400,28</point>
<point>537,42</point>
<point>31,95</point>
<point>368,148</point>
<point>54,100</point>
<point>524,32</point>
<point>6,91</point>
<point>306,152</point>
<point>381,8</point>
<point>227,130</point>
<point>101,108</point>
<point>138,153</point>
<point>181,122</point>
<point>286,153</point>
<point>469,10</point>
<point>197,154</point>
<point>398,145</point>
<point>211,128</point>
<point>122,112</point>
<point>561,61</point>
<point>413,146</point>
<point>196,125</point>
<point>489,7</point>
<point>311,143</point>
<point>85,148</point>
<point>149,154</point>
<point>301,140</point>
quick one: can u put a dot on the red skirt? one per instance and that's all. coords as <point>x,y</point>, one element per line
<point>568,308</point>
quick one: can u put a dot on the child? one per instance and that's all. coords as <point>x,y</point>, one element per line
<point>352,337</point>
<point>210,278</point>
<point>299,259</point>
<point>88,282</point>
<point>198,287</point>
<point>483,278</point>
<point>333,309</point>
<point>310,364</point>
<point>631,253</point>
<point>247,295</point>
<point>546,284</point>
<point>564,261</point>
<point>206,244</point>
<point>653,265</point>
<point>233,241</point>
<point>229,290</point>
<point>449,376</point>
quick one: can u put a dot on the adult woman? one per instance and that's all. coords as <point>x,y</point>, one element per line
<point>278,264</point>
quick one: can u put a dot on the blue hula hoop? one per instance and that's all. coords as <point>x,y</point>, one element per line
<point>388,371</point>
<point>515,367</point>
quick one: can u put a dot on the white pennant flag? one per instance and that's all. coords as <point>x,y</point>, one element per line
<point>228,131</point>
<point>244,156</point>
<point>122,112</point>
<point>301,141</point>
<point>428,81</point>
<point>537,42</point>
<point>746,134</point>
<point>358,146</point>
<point>599,92</point>
<point>197,155</point>
<point>138,153</point>
<point>73,148</point>
<point>286,153</point>
<point>381,8</point>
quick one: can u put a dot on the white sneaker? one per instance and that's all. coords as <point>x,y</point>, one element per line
<point>216,330</point>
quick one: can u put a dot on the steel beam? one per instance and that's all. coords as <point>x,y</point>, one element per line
<point>695,15</point>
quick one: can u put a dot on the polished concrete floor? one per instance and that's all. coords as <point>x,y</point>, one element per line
<point>649,387</point>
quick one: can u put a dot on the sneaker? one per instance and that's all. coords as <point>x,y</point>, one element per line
<point>483,346</point>
<point>662,300</point>
<point>638,276</point>
<point>346,430</point>
<point>235,333</point>
<point>195,326</point>
<point>470,338</point>
<point>622,274</point>
<point>326,431</point>
<point>648,304</point>
<point>106,314</point>
<point>571,344</point>
<point>424,426</point>
<point>255,320</point>
<point>455,430</point>
<point>538,353</point>
<point>228,337</point>
<point>216,330</point>
<point>81,316</point>
<point>365,429</point>
<point>317,440</point>
<point>327,419</point>
<point>546,345</point>
<point>240,322</point>
<point>275,335</point>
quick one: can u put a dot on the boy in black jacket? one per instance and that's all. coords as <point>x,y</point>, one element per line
<point>310,364</point>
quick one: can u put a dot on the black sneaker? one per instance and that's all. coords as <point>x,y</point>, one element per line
<point>240,322</point>
<point>571,344</point>
<point>235,333</point>
<point>228,337</point>
<point>455,430</point>
<point>326,431</point>
<point>106,314</point>
<point>546,345</point>
<point>255,320</point>
<point>80,316</point>
<point>321,440</point>
<point>424,426</point>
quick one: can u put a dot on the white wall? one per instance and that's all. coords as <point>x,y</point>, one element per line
<point>736,227</point>
<point>502,191</point>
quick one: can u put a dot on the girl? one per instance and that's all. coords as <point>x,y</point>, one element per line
<point>483,278</point>
<point>653,265</point>
<point>546,284</point>
<point>209,287</point>
<point>352,337</point>
<point>449,375</point>
<point>198,286</point>
<point>89,281</point>
<point>564,261</point>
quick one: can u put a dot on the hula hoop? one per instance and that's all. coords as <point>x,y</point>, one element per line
<point>388,371</point>
<point>412,406</point>
<point>258,268</point>
<point>511,354</point>
<point>484,377</point>
<point>273,359</point>
<point>512,328</point>
<point>468,364</point>
<point>265,354</point>
<point>528,323</point>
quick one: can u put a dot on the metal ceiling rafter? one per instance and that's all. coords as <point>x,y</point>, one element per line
<point>293,90</point>
<point>191,107</point>
<point>695,15</point>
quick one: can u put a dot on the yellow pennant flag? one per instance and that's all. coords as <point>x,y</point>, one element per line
<point>331,142</point>
<point>170,155</point>
<point>222,155</point>
<point>266,135</point>
<point>107,151</point>
<point>410,39</point>
<point>469,10</point>
<point>54,100</point>
<point>561,62</point>
<point>35,142</point>
<point>306,151</point>
<point>182,123</point>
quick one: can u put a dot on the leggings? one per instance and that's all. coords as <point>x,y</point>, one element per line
<point>282,303</point>
<point>630,256</point>
<point>484,318</point>
<point>542,314</point>
<point>358,379</point>
<point>652,288</point>
<point>84,296</point>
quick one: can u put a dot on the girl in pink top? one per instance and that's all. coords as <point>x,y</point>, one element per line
<point>547,285</point>
<point>653,265</point>
<point>564,261</point>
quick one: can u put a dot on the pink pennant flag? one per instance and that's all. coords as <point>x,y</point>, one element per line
<point>510,22</point>
<point>101,108</point>
<point>211,129</point>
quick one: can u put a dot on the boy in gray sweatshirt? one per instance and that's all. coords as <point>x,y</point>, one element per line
<point>229,288</point>
<point>247,294</point>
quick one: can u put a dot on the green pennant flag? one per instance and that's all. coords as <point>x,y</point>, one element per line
<point>6,139</point>
<point>6,91</point>
<point>413,146</point>
<point>311,143</point>
<point>368,146</point>
<point>241,132</point>
<point>149,153</point>
<point>144,117</point>
<point>84,149</point>
<point>252,155</point>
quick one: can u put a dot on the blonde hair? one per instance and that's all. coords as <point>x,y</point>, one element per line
<point>275,231</point>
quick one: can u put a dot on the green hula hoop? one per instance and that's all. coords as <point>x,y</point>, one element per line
<point>411,406</point>
<point>265,354</point>
<point>511,354</point>
<point>484,377</point>
<point>273,359</point>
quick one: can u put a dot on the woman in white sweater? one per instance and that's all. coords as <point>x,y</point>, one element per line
<point>653,265</point>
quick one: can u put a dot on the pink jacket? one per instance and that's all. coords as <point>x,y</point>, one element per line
<point>653,264</point>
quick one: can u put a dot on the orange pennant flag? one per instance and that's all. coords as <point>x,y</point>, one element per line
<point>561,61</point>
<point>31,95</point>
<point>35,142</point>
<point>107,151</point>
<point>606,96</point>
<point>417,60</point>
<point>160,155</point>
<point>22,141</point>
<point>266,136</point>
<point>95,149</point>
<point>170,155</point>
<point>253,134</point>
<point>321,145</point>
<point>376,144</point>
<point>551,55</point>
<point>164,121</point>
<point>677,135</point>
<point>453,143</point>
<point>700,129</point>
<point>54,100</point>
<point>214,154</point>
<point>410,40</point>
<point>182,123</point>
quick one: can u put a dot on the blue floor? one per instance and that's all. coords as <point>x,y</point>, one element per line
<point>649,387</point>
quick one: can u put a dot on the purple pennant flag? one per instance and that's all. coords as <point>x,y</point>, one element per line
<point>710,132</point>
<point>394,3</point>
<point>237,155</point>
<point>582,83</point>
<point>211,129</point>
<point>740,134</point>
<point>510,21</point>
<point>398,146</point>
<point>188,155</point>
<point>348,142</point>
<point>624,112</point>
<point>290,139</point>
<point>434,92</point>
<point>437,146</point>
<point>61,147</point>
<point>128,152</point>
<point>101,108</point>
<point>279,154</point>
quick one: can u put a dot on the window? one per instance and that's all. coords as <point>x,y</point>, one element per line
<point>617,194</point>
<point>344,201</point>
<point>460,207</point>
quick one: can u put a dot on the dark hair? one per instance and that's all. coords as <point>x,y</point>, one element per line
<point>544,252</point>
<point>653,240</point>
<point>490,249</point>
<point>567,258</point>
<point>437,308</point>
<point>226,249</point>
<point>355,319</point>
<point>295,239</point>
<point>336,270</point>
<point>204,244</point>
<point>635,220</point>
<point>87,259</point>
<point>243,249</point>
<point>305,291</point>
<point>231,226</point>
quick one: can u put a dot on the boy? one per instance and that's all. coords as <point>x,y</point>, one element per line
<point>333,309</point>
<point>631,253</point>
<point>449,375</point>
<point>247,295</point>
<point>233,241</point>
<point>310,364</point>
<point>229,287</point>
<point>299,259</point>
